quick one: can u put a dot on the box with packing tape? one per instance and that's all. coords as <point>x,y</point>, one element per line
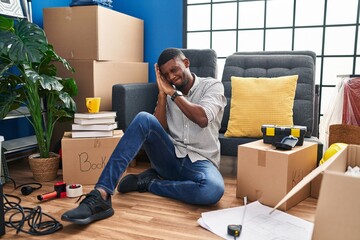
<point>275,133</point>
<point>265,174</point>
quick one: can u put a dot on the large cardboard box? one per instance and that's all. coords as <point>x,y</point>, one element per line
<point>83,159</point>
<point>96,79</point>
<point>94,32</point>
<point>267,175</point>
<point>338,208</point>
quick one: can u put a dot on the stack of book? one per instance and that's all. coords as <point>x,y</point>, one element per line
<point>101,124</point>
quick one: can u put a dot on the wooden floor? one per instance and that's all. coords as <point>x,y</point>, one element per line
<point>137,215</point>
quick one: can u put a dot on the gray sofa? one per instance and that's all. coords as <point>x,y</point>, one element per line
<point>129,99</point>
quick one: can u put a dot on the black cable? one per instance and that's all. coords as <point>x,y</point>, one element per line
<point>17,216</point>
<point>26,187</point>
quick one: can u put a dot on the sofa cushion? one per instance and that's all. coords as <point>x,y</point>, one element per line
<point>275,64</point>
<point>258,101</point>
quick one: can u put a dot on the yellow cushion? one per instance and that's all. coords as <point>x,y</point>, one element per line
<point>258,101</point>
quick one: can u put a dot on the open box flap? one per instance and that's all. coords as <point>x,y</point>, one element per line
<point>308,178</point>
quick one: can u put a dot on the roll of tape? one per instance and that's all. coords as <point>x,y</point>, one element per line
<point>74,190</point>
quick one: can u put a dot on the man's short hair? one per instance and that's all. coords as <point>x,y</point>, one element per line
<point>168,54</point>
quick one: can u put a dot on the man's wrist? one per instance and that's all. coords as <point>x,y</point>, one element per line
<point>176,94</point>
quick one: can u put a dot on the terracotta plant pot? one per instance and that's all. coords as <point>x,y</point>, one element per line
<point>44,169</point>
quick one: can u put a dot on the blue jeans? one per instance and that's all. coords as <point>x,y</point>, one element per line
<point>196,183</point>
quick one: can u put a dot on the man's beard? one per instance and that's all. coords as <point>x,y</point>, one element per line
<point>183,84</point>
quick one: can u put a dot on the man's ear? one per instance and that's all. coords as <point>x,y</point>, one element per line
<point>186,62</point>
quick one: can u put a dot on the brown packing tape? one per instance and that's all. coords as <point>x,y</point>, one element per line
<point>262,158</point>
<point>97,143</point>
<point>258,193</point>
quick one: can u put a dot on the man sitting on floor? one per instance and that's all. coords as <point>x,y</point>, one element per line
<point>180,139</point>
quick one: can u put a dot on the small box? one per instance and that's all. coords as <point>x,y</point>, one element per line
<point>83,159</point>
<point>274,133</point>
<point>94,32</point>
<point>96,79</point>
<point>266,175</point>
<point>338,209</point>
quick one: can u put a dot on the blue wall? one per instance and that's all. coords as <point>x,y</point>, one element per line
<point>163,27</point>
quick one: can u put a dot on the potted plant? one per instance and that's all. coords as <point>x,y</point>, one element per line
<point>28,78</point>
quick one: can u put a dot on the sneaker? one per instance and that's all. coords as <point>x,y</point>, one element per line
<point>137,182</point>
<point>90,209</point>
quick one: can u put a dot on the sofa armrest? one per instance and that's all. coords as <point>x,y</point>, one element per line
<point>130,99</point>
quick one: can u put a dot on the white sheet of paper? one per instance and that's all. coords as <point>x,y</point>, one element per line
<point>258,223</point>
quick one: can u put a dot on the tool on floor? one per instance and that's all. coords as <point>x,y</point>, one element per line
<point>235,229</point>
<point>60,192</point>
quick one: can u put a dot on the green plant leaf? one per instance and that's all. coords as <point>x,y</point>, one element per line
<point>26,43</point>
<point>70,86</point>
<point>7,103</point>
<point>55,57</point>
<point>5,65</point>
<point>51,83</point>
<point>28,76</point>
<point>69,103</point>
<point>6,24</point>
<point>31,74</point>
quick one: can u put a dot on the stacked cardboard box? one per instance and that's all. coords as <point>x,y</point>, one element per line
<point>105,47</point>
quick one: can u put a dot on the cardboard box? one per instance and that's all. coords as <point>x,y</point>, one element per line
<point>83,159</point>
<point>267,175</point>
<point>316,182</point>
<point>274,133</point>
<point>315,186</point>
<point>338,208</point>
<point>96,79</point>
<point>94,32</point>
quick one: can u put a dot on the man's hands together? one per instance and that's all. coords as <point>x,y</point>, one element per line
<point>164,87</point>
